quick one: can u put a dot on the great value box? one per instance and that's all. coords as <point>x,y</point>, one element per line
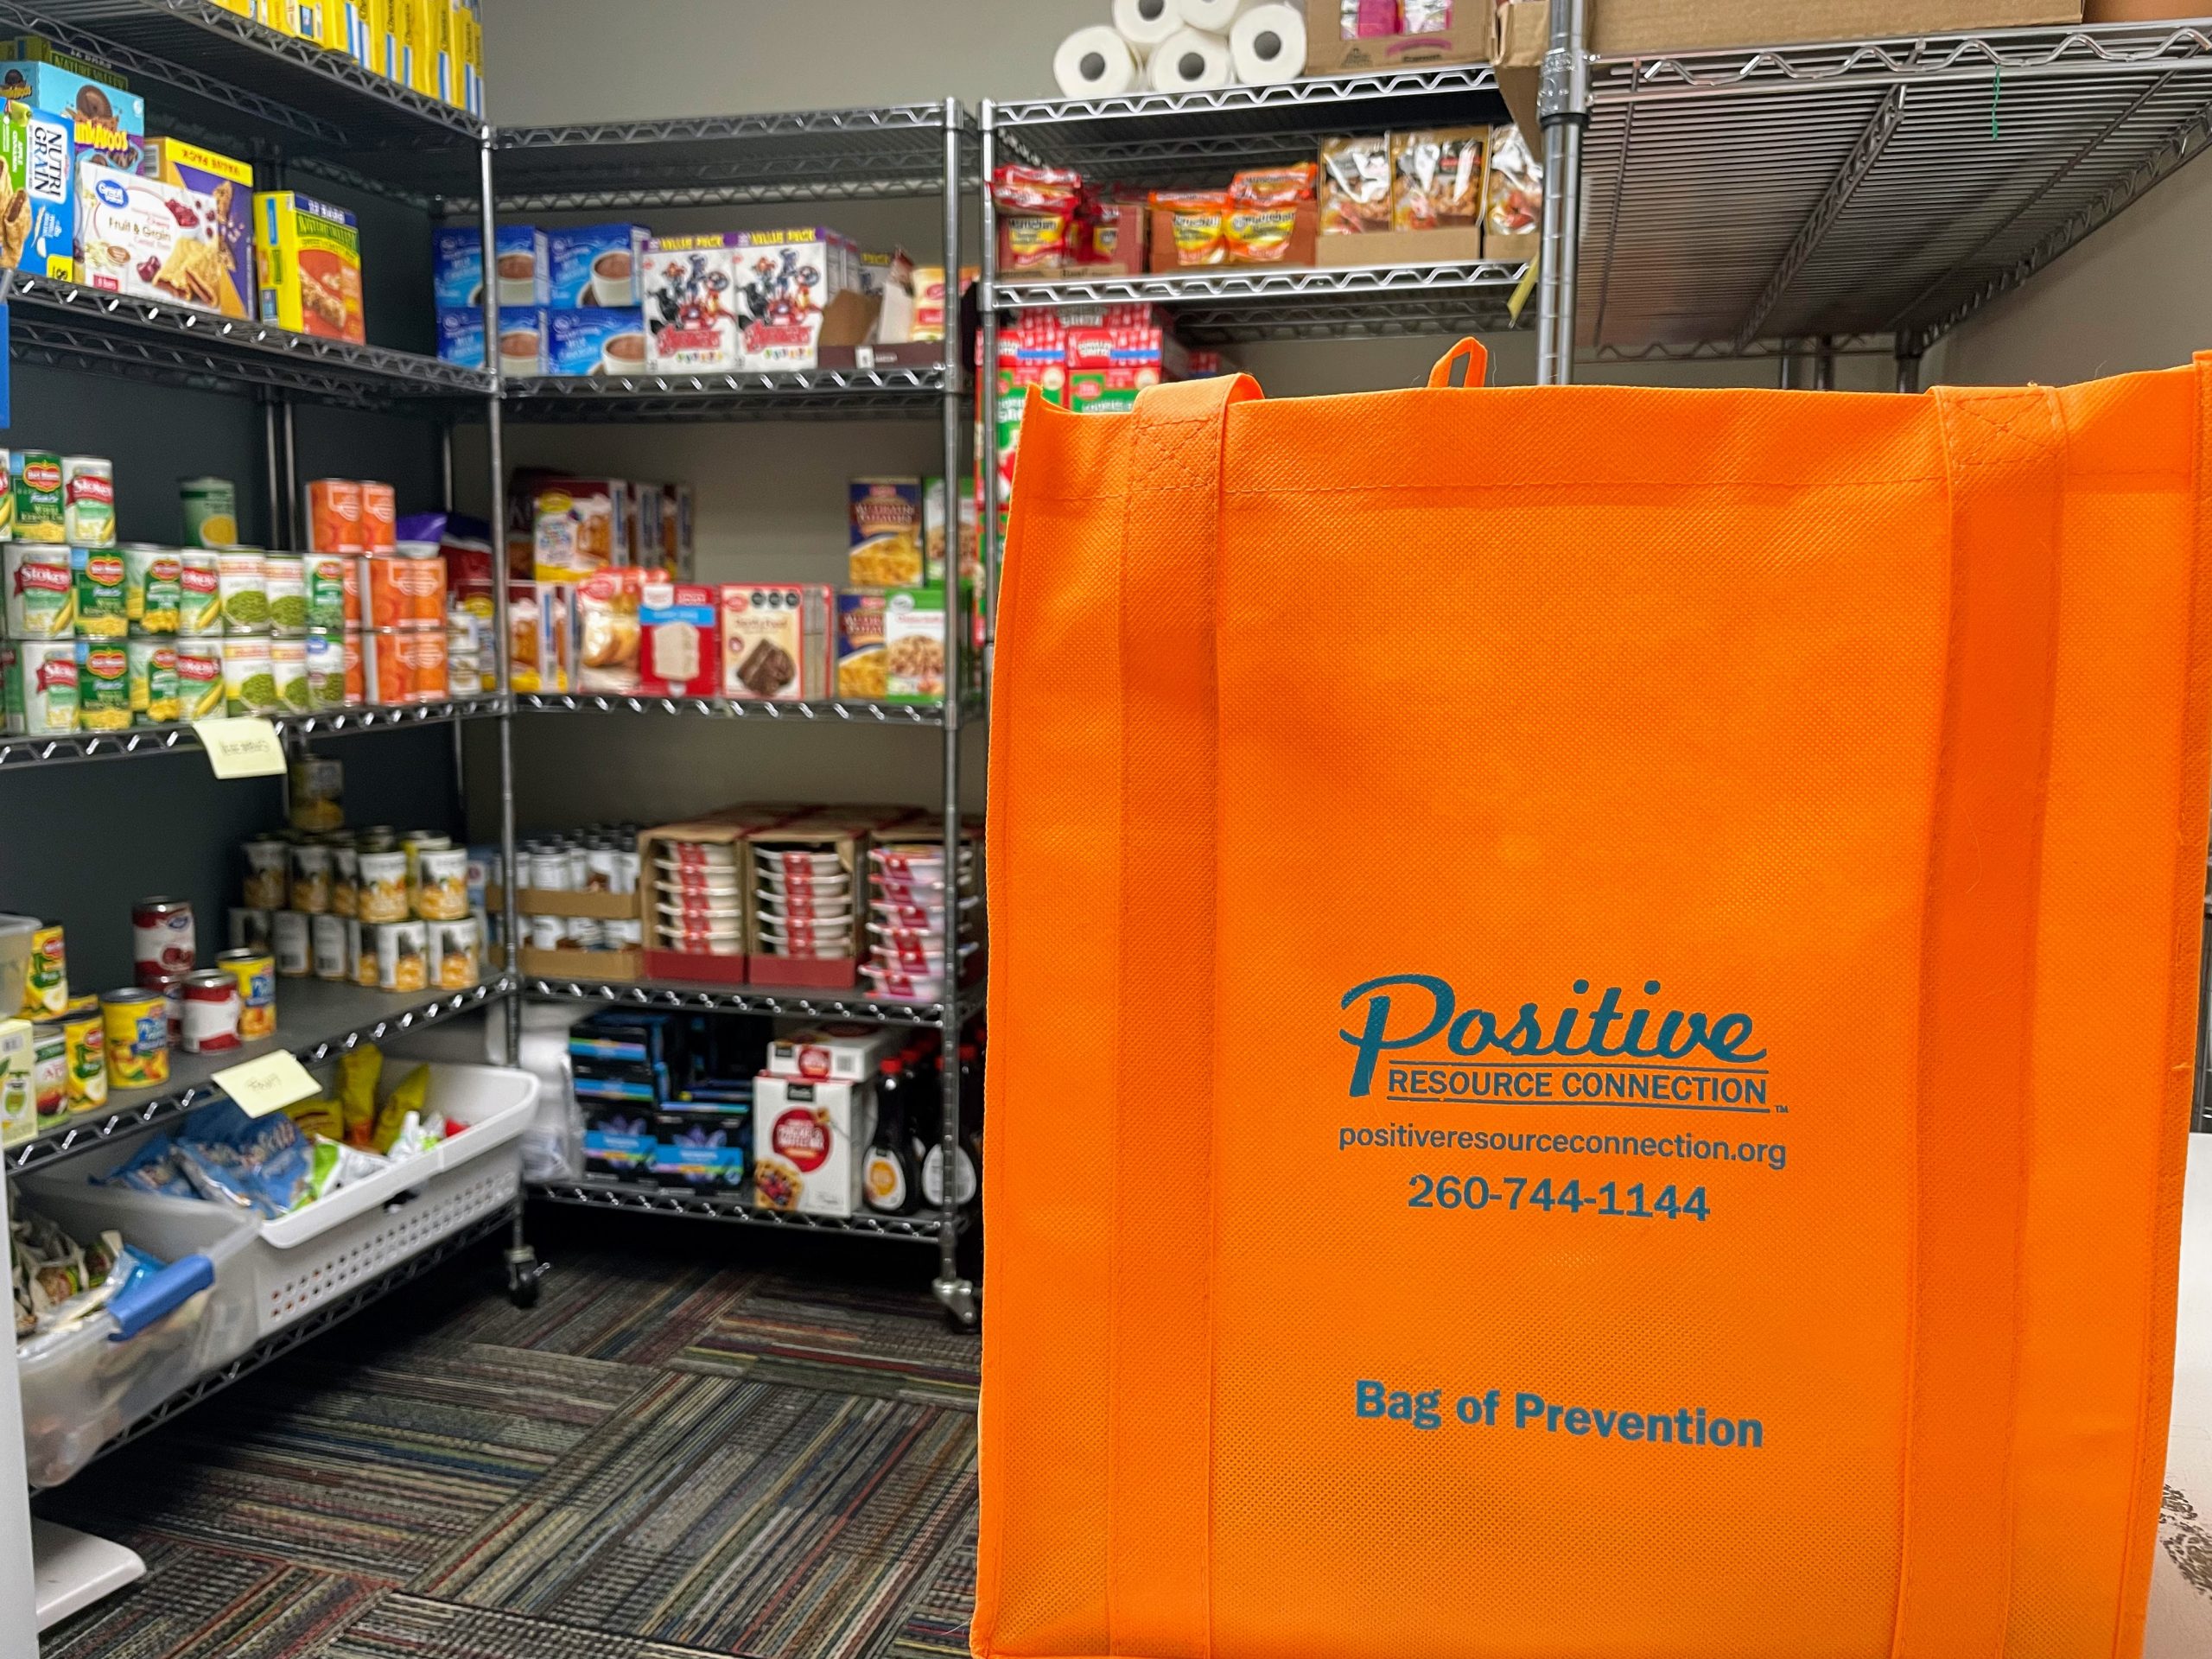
<point>595,266</point>
<point>519,256</point>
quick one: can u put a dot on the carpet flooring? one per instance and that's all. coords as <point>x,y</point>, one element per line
<point>699,1442</point>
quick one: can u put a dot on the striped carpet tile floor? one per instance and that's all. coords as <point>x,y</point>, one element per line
<point>671,1456</point>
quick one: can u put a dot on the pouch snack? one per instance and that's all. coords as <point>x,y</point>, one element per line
<point>1438,178</point>
<point>1037,207</point>
<point>1189,228</point>
<point>1262,225</point>
<point>1355,186</point>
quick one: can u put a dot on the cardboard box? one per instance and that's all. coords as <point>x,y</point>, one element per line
<point>220,190</point>
<point>775,641</point>
<point>1327,53</point>
<point>39,160</point>
<point>600,907</point>
<point>614,967</point>
<point>845,840</point>
<point>596,266</point>
<point>461,331</point>
<point>1460,244</point>
<point>809,1141</point>
<point>726,827</point>
<point>307,259</point>
<point>833,1053</point>
<point>595,342</point>
<point>1118,241</point>
<point>520,251</point>
<point>106,118</point>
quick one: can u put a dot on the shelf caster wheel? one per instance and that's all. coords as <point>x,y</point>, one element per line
<point>525,1273</point>
<point>961,1308</point>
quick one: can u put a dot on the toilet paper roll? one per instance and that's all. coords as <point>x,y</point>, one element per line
<point>1213,16</point>
<point>1266,44</point>
<point>1095,63</point>
<point>1191,61</point>
<point>1145,23</point>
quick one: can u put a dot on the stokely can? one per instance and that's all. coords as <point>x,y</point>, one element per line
<point>334,516</point>
<point>85,1050</point>
<point>242,578</point>
<point>163,938</point>
<point>325,579</point>
<point>456,948</point>
<point>42,687</point>
<point>295,948</point>
<point>326,660</point>
<point>212,1008</point>
<point>50,1072</point>
<point>254,972</point>
<point>310,879</point>
<point>331,958</point>
<point>288,663</point>
<point>155,699</point>
<point>200,584</point>
<point>198,678</point>
<point>403,956</point>
<point>135,1025</point>
<point>379,516</point>
<point>103,685</point>
<point>286,574</point>
<point>41,593</point>
<point>250,677</point>
<point>103,606</point>
<point>153,587</point>
<point>249,928</point>
<point>39,515</point>
<point>88,501</point>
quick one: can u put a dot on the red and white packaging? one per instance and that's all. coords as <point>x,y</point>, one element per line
<point>807,1144</point>
<point>683,649</point>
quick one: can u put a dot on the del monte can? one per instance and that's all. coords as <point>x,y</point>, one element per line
<point>39,515</point>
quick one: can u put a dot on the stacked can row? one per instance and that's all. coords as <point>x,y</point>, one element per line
<point>383,910</point>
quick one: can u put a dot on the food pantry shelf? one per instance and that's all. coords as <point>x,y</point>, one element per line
<point>803,1001</point>
<point>18,752</point>
<point>705,161</point>
<point>314,1020</point>
<point>1230,304</point>
<point>63,325</point>
<point>796,713</point>
<point>1886,188</point>
<point>1201,137</point>
<point>230,77</point>
<point>789,395</point>
<point>922,1227</point>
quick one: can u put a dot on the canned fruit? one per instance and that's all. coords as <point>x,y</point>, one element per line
<point>403,956</point>
<point>242,578</point>
<point>250,677</point>
<point>344,881</point>
<point>88,501</point>
<point>46,975</point>
<point>326,654</point>
<point>211,512</point>
<point>454,947</point>
<point>310,891</point>
<point>84,1047</point>
<point>334,516</point>
<point>326,589</point>
<point>249,928</point>
<point>135,1025</point>
<point>200,580</point>
<point>198,678</point>
<point>268,872</point>
<point>316,797</point>
<point>41,593</point>
<point>49,1072</point>
<point>103,607</point>
<point>285,579</point>
<point>103,686</point>
<point>405,592</point>
<point>163,938</point>
<point>383,893</point>
<point>153,587</point>
<point>210,1019</point>
<point>39,500</point>
<point>288,663</point>
<point>294,943</point>
<point>41,686</point>
<point>153,686</point>
<point>255,972</point>
<point>441,884</point>
<point>332,950</point>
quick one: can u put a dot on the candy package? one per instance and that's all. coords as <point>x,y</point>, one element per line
<point>152,1168</point>
<point>1355,186</point>
<point>1438,178</point>
<point>332,1165</point>
<point>261,1163</point>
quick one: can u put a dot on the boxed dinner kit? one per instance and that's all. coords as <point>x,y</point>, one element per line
<point>308,256</point>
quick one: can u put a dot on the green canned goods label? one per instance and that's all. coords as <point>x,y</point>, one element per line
<point>244,584</point>
<point>103,686</point>
<point>211,512</point>
<point>287,665</point>
<point>286,577</point>
<point>103,606</point>
<point>326,592</point>
<point>249,678</point>
<point>153,588</point>
<point>327,670</point>
<point>39,499</point>
<point>153,680</point>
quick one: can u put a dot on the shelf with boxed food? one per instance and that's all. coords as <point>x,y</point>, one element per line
<point>924,1226</point>
<point>870,393</point>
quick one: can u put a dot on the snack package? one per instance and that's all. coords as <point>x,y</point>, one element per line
<point>1037,209</point>
<point>1424,16</point>
<point>260,1163</point>
<point>308,256</point>
<point>220,188</point>
<point>1438,178</point>
<point>152,1168</point>
<point>405,1102</point>
<point>1263,218</point>
<point>608,605</point>
<point>58,1281</point>
<point>1355,186</point>
<point>1189,228</point>
<point>320,1116</point>
<point>357,1072</point>
<point>333,1165</point>
<point>1513,199</point>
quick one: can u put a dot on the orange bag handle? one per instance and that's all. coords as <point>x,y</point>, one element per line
<point>1159,1392</point>
<point>1473,353</point>
<point>2004,452</point>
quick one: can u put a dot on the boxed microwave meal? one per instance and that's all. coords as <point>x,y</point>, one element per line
<point>1345,36</point>
<point>913,646</point>
<point>691,303</point>
<point>692,895</point>
<point>775,641</point>
<point>519,252</point>
<point>578,525</point>
<point>307,259</point>
<point>808,1144</point>
<point>682,652</point>
<point>786,280</point>
<point>150,240</point>
<point>859,647</point>
<point>886,517</point>
<point>608,631</point>
<point>595,266</point>
<point>221,188</point>
<point>595,342</point>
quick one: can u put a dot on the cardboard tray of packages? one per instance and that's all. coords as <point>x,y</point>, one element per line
<point>727,827</point>
<point>1327,53</point>
<point>847,838</point>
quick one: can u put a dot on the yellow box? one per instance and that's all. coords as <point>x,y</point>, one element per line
<point>240,8</point>
<point>468,56</point>
<point>445,66</point>
<point>380,48</point>
<point>283,15</point>
<point>306,259</point>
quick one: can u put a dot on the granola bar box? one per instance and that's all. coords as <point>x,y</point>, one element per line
<point>308,256</point>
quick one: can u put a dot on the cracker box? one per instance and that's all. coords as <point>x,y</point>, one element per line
<point>308,260</point>
<point>596,266</point>
<point>785,281</point>
<point>692,319</point>
<point>775,642</point>
<point>221,195</point>
<point>596,342</point>
<point>886,518</point>
<point>859,647</point>
<point>682,640</point>
<point>808,1139</point>
<point>38,230</point>
<point>913,646</point>
<point>457,265</point>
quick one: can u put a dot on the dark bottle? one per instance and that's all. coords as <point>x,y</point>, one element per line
<point>888,1178</point>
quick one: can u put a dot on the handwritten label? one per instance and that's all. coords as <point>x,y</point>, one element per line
<point>267,1084</point>
<point>242,748</point>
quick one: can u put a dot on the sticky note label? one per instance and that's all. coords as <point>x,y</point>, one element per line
<point>268,1084</point>
<point>242,748</point>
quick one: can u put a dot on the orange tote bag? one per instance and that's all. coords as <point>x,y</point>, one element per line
<point>1592,1020</point>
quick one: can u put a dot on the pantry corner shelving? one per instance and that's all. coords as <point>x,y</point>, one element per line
<point>922,1227</point>
<point>19,752</point>
<point>1230,305</point>
<point>789,395</point>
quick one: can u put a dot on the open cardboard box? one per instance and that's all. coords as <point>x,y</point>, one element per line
<point>613,966</point>
<point>725,828</point>
<point>1459,244</point>
<point>848,839</point>
<point>1327,53</point>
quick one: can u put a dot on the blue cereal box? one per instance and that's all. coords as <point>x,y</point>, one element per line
<point>40,229</point>
<point>458,256</point>
<point>596,341</point>
<point>596,265</point>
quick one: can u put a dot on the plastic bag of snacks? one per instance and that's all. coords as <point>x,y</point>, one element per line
<point>1364,19</point>
<point>1037,207</point>
<point>1424,16</point>
<point>1262,216</point>
<point>1355,186</point>
<point>1514,202</point>
<point>1198,224</point>
<point>59,1281</point>
<point>1438,178</point>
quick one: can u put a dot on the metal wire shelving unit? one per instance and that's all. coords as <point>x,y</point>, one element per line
<point>794,395</point>
<point>790,714</point>
<point>17,752</point>
<point>781,1001</point>
<point>922,1227</point>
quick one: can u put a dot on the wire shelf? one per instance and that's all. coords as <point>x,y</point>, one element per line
<point>315,1020</point>
<point>708,161</point>
<point>65,324</point>
<point>792,394</point>
<point>790,714</point>
<point>270,93</point>
<point>1882,189</point>
<point>811,1004</point>
<point>17,752</point>
<point>1230,304</point>
<point>924,1227</point>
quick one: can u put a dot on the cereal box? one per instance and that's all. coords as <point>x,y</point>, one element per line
<point>596,341</point>
<point>786,279</point>
<point>859,647</point>
<point>913,646</point>
<point>308,260</point>
<point>220,193</point>
<point>596,266</point>
<point>886,516</point>
<point>38,185</point>
<point>683,643</point>
<point>692,320</point>
<point>775,641</point>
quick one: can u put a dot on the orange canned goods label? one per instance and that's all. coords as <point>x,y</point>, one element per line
<point>405,592</point>
<point>334,516</point>
<point>379,516</point>
<point>406,665</point>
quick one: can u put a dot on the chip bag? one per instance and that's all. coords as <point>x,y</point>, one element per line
<point>357,1072</point>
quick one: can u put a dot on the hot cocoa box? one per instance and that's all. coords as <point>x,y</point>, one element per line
<point>458,269</point>
<point>595,267</point>
<point>598,340</point>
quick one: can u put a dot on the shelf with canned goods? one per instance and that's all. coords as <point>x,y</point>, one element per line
<point>239,82</point>
<point>18,751</point>
<point>797,714</point>
<point>65,325</point>
<point>790,1001</point>
<point>704,160</point>
<point>1226,305</point>
<point>872,393</point>
<point>924,1227</point>
<point>315,1020</point>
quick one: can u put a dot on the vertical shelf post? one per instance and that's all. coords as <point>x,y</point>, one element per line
<point>986,385</point>
<point>1563,107</point>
